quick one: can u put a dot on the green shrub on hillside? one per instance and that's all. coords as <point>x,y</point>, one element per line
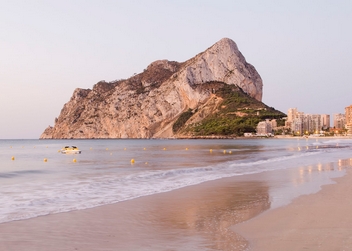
<point>224,126</point>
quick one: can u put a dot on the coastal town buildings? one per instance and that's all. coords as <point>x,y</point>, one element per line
<point>301,123</point>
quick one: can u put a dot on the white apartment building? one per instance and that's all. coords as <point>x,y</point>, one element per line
<point>339,121</point>
<point>264,127</point>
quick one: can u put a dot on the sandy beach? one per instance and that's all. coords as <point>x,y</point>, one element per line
<point>321,221</point>
<point>227,214</point>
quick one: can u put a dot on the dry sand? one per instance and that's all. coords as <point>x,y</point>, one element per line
<point>321,221</point>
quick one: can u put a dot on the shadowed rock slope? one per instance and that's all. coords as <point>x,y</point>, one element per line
<point>149,104</point>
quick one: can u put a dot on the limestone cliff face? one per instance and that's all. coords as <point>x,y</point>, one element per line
<point>147,104</point>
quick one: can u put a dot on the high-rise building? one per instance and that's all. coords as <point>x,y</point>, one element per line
<point>325,121</point>
<point>315,124</point>
<point>297,126</point>
<point>291,114</point>
<point>348,116</point>
<point>339,121</point>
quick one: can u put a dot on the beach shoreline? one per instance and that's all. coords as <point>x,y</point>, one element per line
<point>183,219</point>
<point>206,215</point>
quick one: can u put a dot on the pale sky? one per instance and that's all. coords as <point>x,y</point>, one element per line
<point>301,49</point>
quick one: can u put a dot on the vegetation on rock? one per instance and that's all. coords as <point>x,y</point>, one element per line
<point>237,113</point>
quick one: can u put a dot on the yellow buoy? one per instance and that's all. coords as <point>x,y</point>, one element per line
<point>132,161</point>
<point>230,152</point>
<point>144,148</point>
<point>164,149</point>
<point>45,160</point>
<point>224,151</point>
<point>12,158</point>
<point>186,148</point>
<point>107,149</point>
<point>146,163</point>
<point>74,160</point>
<point>124,149</point>
<point>211,150</point>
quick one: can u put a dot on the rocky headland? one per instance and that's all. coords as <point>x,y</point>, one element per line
<point>170,99</point>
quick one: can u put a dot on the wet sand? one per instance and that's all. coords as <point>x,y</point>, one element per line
<point>197,217</point>
<point>321,221</point>
<point>193,218</point>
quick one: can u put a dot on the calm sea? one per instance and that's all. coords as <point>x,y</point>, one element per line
<point>103,173</point>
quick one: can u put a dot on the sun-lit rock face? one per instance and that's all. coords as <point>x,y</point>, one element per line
<point>147,104</point>
<point>223,62</point>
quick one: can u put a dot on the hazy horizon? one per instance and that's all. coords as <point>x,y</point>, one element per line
<point>300,49</point>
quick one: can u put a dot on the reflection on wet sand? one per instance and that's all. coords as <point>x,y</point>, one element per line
<point>211,211</point>
<point>193,218</point>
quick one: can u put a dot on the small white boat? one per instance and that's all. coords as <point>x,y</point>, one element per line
<point>70,149</point>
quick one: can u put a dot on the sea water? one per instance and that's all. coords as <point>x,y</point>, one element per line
<point>104,174</point>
